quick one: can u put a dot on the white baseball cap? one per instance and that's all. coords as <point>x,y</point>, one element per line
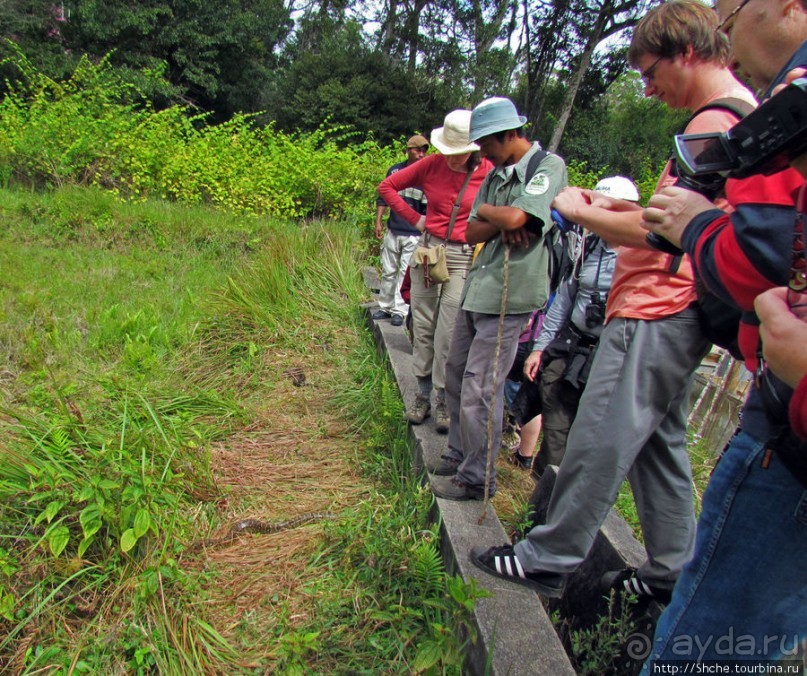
<point>619,187</point>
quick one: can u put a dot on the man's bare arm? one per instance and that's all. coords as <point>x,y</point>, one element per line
<point>618,222</point>
<point>493,220</point>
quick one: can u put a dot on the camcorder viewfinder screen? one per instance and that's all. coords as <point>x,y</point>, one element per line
<point>703,153</point>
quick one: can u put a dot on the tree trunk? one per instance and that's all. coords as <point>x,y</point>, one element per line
<point>577,78</point>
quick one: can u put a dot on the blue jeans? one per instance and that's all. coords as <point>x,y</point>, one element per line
<point>744,594</point>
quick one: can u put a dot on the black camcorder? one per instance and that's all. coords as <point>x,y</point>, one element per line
<point>763,142</point>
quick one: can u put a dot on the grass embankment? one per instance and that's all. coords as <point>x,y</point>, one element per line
<point>167,371</point>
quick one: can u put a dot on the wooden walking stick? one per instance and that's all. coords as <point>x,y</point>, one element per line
<point>496,353</point>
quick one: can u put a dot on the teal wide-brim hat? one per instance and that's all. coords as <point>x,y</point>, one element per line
<point>494,115</point>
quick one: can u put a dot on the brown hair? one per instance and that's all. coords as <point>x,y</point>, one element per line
<point>675,26</point>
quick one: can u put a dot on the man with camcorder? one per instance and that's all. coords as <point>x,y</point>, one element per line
<point>747,576</point>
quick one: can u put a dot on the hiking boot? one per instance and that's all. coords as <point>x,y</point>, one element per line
<point>521,461</point>
<point>628,581</point>
<point>441,418</point>
<point>421,410</point>
<point>503,562</point>
<point>397,320</point>
<point>380,314</point>
<point>446,467</point>
<point>451,488</point>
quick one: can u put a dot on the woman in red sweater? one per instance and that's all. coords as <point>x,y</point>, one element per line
<point>434,309</point>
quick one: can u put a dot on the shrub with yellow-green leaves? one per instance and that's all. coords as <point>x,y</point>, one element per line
<point>95,129</point>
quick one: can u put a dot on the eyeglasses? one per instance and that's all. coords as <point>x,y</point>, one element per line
<point>723,26</point>
<point>647,75</point>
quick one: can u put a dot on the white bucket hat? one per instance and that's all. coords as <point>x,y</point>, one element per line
<point>452,137</point>
<point>619,187</point>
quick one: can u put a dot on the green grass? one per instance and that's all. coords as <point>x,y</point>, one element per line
<point>139,343</point>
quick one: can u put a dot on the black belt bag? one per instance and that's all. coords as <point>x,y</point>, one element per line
<point>578,349</point>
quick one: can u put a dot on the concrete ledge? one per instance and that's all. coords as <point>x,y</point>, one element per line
<point>515,635</point>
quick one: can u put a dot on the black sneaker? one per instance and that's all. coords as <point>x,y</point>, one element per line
<point>381,314</point>
<point>628,581</point>
<point>502,562</point>
<point>397,320</point>
<point>446,467</point>
<point>451,488</point>
<point>521,461</point>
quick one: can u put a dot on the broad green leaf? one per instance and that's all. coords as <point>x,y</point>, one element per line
<point>107,484</point>
<point>128,540</point>
<point>427,656</point>
<point>152,583</point>
<point>84,545</point>
<point>58,538</point>
<point>142,522</point>
<point>86,493</point>
<point>7,606</point>
<point>53,509</point>
<point>90,520</point>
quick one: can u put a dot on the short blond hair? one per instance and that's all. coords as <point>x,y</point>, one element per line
<point>675,26</point>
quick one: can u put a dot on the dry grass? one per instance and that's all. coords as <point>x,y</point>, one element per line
<point>297,460</point>
<point>514,488</point>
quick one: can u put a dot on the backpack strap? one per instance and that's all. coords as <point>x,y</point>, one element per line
<point>739,108</point>
<point>534,163</point>
<point>532,167</point>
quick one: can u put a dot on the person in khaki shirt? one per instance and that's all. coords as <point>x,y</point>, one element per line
<point>511,212</point>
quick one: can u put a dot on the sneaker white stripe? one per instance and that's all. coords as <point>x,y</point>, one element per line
<point>509,567</point>
<point>636,586</point>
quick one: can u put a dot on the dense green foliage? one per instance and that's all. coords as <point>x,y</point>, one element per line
<point>213,52</point>
<point>346,82</point>
<point>94,129</point>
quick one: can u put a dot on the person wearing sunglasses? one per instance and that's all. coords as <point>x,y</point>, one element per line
<point>747,577</point>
